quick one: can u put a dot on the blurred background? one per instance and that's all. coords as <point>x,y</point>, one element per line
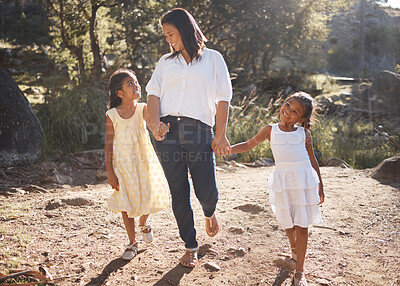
<point>346,53</point>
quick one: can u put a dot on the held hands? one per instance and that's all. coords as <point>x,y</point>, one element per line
<point>220,146</point>
<point>321,193</point>
<point>113,181</point>
<point>161,130</point>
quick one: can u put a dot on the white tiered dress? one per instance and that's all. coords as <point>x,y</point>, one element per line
<point>293,186</point>
<point>143,188</point>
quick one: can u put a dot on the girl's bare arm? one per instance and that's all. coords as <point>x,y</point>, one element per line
<point>108,153</point>
<point>261,136</point>
<point>314,164</point>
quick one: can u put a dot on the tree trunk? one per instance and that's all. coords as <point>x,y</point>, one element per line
<point>94,42</point>
<point>362,35</point>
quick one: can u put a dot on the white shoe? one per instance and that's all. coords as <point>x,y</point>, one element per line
<point>130,251</point>
<point>299,279</point>
<point>147,236</point>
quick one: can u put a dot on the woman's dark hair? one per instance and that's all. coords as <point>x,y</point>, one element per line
<point>192,37</point>
<point>115,84</point>
<point>308,103</point>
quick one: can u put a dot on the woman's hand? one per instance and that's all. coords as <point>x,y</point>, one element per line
<point>321,193</point>
<point>113,181</point>
<point>220,146</point>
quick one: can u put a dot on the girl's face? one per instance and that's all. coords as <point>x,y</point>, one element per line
<point>173,37</point>
<point>292,112</point>
<point>130,89</point>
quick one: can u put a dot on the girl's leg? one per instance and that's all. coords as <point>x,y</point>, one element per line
<point>143,221</point>
<point>130,227</point>
<point>301,246</point>
<point>291,234</point>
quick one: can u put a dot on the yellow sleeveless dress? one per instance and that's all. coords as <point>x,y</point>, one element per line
<point>143,188</point>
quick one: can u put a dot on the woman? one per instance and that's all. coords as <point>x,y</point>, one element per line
<point>189,86</point>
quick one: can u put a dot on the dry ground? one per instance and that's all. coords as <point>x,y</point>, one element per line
<point>358,243</point>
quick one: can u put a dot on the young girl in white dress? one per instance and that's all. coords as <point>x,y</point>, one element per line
<point>133,169</point>
<point>295,186</point>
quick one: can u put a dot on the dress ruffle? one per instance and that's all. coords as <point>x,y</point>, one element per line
<point>293,194</point>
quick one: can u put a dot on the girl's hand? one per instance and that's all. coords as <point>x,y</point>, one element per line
<point>162,129</point>
<point>321,193</point>
<point>113,181</point>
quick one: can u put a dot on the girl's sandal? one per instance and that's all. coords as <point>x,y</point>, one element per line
<point>299,279</point>
<point>209,226</point>
<point>193,257</point>
<point>147,233</point>
<point>130,251</point>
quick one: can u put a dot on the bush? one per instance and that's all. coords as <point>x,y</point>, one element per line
<point>350,141</point>
<point>342,60</point>
<point>73,120</point>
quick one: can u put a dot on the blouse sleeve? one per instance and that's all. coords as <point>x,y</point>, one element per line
<point>153,87</point>
<point>224,84</point>
<point>110,114</point>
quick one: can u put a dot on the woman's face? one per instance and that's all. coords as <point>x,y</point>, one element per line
<point>173,37</point>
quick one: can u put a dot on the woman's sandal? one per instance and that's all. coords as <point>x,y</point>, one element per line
<point>299,279</point>
<point>209,226</point>
<point>193,257</point>
<point>130,251</point>
<point>147,236</point>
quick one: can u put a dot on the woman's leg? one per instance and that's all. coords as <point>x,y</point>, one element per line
<point>301,246</point>
<point>129,227</point>
<point>201,163</point>
<point>173,160</point>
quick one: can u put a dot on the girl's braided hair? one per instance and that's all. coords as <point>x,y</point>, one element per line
<point>308,103</point>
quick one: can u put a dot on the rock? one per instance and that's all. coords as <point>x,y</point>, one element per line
<point>264,162</point>
<point>101,175</point>
<point>236,230</point>
<point>387,171</point>
<point>336,162</point>
<point>286,263</point>
<point>240,252</point>
<point>54,204</point>
<point>212,266</point>
<point>78,201</point>
<point>20,130</point>
<point>57,177</point>
<point>90,157</point>
<point>250,208</point>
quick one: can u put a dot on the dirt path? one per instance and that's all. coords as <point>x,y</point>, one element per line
<point>359,244</point>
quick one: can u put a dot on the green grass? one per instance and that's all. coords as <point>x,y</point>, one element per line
<point>73,120</point>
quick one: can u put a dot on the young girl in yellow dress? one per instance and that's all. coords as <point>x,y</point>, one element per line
<point>133,169</point>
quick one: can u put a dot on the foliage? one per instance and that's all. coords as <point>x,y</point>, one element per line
<point>25,23</point>
<point>73,119</point>
<point>350,141</point>
<point>342,60</point>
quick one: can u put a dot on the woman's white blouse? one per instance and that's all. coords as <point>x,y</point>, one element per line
<point>192,90</point>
